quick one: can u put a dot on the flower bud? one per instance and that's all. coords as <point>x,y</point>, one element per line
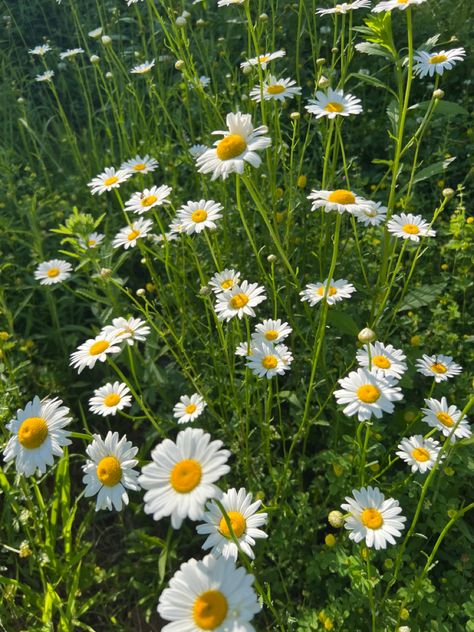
<point>366,335</point>
<point>205,290</point>
<point>438,94</point>
<point>180,22</point>
<point>94,59</point>
<point>106,40</point>
<point>272,258</point>
<point>247,70</point>
<point>105,272</point>
<point>295,116</point>
<point>334,50</point>
<point>141,291</point>
<point>200,22</point>
<point>109,75</point>
<point>323,82</point>
<point>448,193</point>
<point>301,182</point>
<point>263,17</point>
<point>330,540</point>
<point>336,519</point>
<point>179,65</point>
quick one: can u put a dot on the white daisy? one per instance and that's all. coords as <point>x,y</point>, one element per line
<point>92,241</point>
<point>366,394</point>
<point>40,50</point>
<point>371,213</point>
<point>333,103</point>
<point>128,236</point>
<point>420,453</point>
<point>244,519</point>
<point>243,349</point>
<point>194,217</point>
<point>440,367</point>
<point>130,330</point>
<point>71,53</point>
<point>388,5</point>
<point>107,180</point>
<point>45,76</point>
<point>224,280</point>
<point>337,291</point>
<point>239,300</point>
<point>189,408</point>
<point>340,200</point>
<point>431,63</point>
<point>93,350</point>
<point>263,60</point>
<point>210,594</point>
<point>267,360</point>
<point>110,398</point>
<point>227,3</point>
<point>275,89</point>
<point>182,475</point>
<point>53,271</point>
<point>384,360</point>
<point>344,7</point>
<point>96,33</point>
<point>143,201</point>
<point>38,435</point>
<point>240,143</point>
<point>109,471</point>
<point>408,226</point>
<point>373,518</point>
<point>271,331</point>
<point>444,417</point>
<point>197,150</point>
<point>142,69</point>
<point>139,164</point>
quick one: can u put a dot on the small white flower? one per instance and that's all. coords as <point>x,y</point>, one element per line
<point>333,103</point>
<point>110,398</point>
<point>344,7</point>
<point>444,417</point>
<point>420,453</point>
<point>340,200</point>
<point>71,53</point>
<point>46,76</point>
<point>139,164</point>
<point>128,236</point>
<point>267,360</point>
<point>189,408</point>
<point>224,280</point>
<point>130,330</point>
<point>385,360</point>
<point>239,300</point>
<point>143,201</point>
<point>275,89</point>
<point>388,5</point>
<point>53,271</point>
<point>92,241</point>
<point>440,367</point>
<point>93,350</point>
<point>197,150</point>
<point>337,291</point>
<point>96,33</point>
<point>431,63</point>
<point>263,60</point>
<point>271,331</point>
<point>227,3</point>
<point>142,69</point>
<point>40,50</point>
<point>408,226</point>
<point>365,394</point>
<point>107,180</point>
<point>371,213</point>
<point>243,349</point>
<point>194,217</point>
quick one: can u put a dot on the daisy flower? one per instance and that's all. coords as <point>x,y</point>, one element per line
<point>142,69</point>
<point>127,237</point>
<point>345,7</point>
<point>197,150</point>
<point>262,60</point>
<point>408,226</point>
<point>420,453</point>
<point>142,201</point>
<point>366,394</point>
<point>93,350</point>
<point>240,143</point>
<point>45,76</point>
<point>189,408</point>
<point>110,398</point>
<point>244,519</point>
<point>384,360</point>
<point>333,103</point>
<point>40,50</point>
<point>271,331</point>
<point>227,3</point>
<point>444,417</point>
<point>71,53</point>
<point>109,471</point>
<point>107,180</point>
<point>267,360</point>
<point>373,518</point>
<point>96,33</point>
<point>243,349</point>
<point>209,594</point>
<point>388,5</point>
<point>239,300</point>
<point>139,164</point>
<point>371,213</point>
<point>340,200</point>
<point>224,280</point>
<point>53,271</point>
<point>129,329</point>
<point>182,475</point>
<point>431,63</point>
<point>194,217</point>
<point>38,434</point>
<point>275,89</point>
<point>337,291</point>
<point>440,367</point>
<point>94,240</point>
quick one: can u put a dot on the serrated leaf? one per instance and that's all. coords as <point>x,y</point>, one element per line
<point>421,296</point>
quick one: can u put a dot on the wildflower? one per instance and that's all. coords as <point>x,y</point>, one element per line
<point>194,217</point>
<point>92,241</point>
<point>127,237</point>
<point>371,213</point>
<point>275,89</point>
<point>130,330</point>
<point>71,53</point>
<point>243,349</point>
<point>384,360</point>
<point>239,145</point>
<point>53,271</point>
<point>340,200</point>
<point>329,540</point>
<point>366,335</point>
<point>107,180</point>
<point>388,5</point>
<point>197,150</point>
<point>440,367</point>
<point>431,63</point>
<point>239,300</point>
<point>224,280</point>
<point>110,398</point>
<point>337,291</point>
<point>267,360</point>
<point>227,3</point>
<point>336,519</point>
<point>271,331</point>
<point>189,408</point>
<point>143,201</point>
<point>109,471</point>
<point>444,417</point>
<point>38,433</point>
<point>420,453</point>
<point>139,164</point>
<point>409,226</point>
<point>142,69</point>
<point>262,60</point>
<point>93,350</point>
<point>182,475</point>
<point>345,7</point>
<point>96,33</point>
<point>46,76</point>
<point>333,103</point>
<point>365,394</point>
<point>40,50</point>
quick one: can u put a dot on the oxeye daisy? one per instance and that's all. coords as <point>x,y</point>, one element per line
<point>127,237</point>
<point>142,69</point>
<point>440,367</point>
<point>189,408</point>
<point>92,241</point>
<point>365,394</point>
<point>384,360</point>
<point>107,180</point>
<point>210,594</point>
<point>194,217</point>
<point>333,103</point>
<point>109,471</point>
<point>267,360</point>
<point>431,63</point>
<point>388,5</point>
<point>245,521</point>
<point>143,201</point>
<point>38,434</point>
<point>40,50</point>
<point>243,349</point>
<point>240,143</point>
<point>71,53</point>
<point>182,476</point>
<point>271,331</point>
<point>110,398</point>
<point>93,350</point>
<point>130,330</point>
<point>139,164</point>
<point>420,453</point>
<point>47,75</point>
<point>275,89</point>
<point>197,150</point>
<point>373,518</point>
<point>409,226</point>
<point>224,280</point>
<point>337,291</point>
<point>444,417</point>
<point>227,3</point>
<point>340,200</point>
<point>239,300</point>
<point>262,60</point>
<point>344,7</point>
<point>53,271</point>
<point>371,213</point>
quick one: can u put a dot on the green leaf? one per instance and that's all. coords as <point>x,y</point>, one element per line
<point>370,48</point>
<point>443,108</point>
<point>421,296</point>
<point>343,322</point>
<point>373,81</point>
<point>432,170</point>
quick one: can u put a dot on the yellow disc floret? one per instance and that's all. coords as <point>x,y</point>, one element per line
<point>133,234</point>
<point>270,362</point>
<point>111,400</point>
<point>33,432</point>
<point>438,59</point>
<point>271,334</point>
<point>109,471</point>
<point>445,419</point>
<point>238,301</point>
<point>438,367</point>
<point>277,88</point>
<point>190,408</point>
<point>53,272</point>
<point>411,229</point>
<point>237,521</point>
<point>185,476</point>
<point>421,454</point>
<point>210,610</point>
<point>368,393</point>
<point>109,181</point>
<point>333,106</point>
<point>148,200</point>
<point>199,215</point>
<point>99,347</point>
<point>371,518</point>
<point>231,146</point>
<point>342,196</point>
<point>382,362</point>
<point>322,290</point>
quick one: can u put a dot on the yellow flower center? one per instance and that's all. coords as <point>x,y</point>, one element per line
<point>91,242</point>
<point>381,362</point>
<point>271,334</point>
<point>411,229</point>
<point>210,610</point>
<point>139,166</point>
<point>445,419</point>
<point>371,518</point>
<point>438,367</point>
<point>133,234</point>
<point>238,524</point>
<point>225,285</point>
<point>238,301</point>
<point>190,408</point>
<point>33,432</point>
<point>185,476</point>
<point>99,347</point>
<point>112,400</point>
<point>263,58</point>
<point>421,454</point>
<point>270,362</point>
<point>109,181</point>
<point>199,215</point>
<point>231,146</point>
<point>334,107</point>
<point>109,471</point>
<point>53,272</point>
<point>148,200</point>
<point>403,1</point>
<point>277,88</point>
<point>438,59</point>
<point>368,393</point>
<point>321,290</point>
<point>342,196</point>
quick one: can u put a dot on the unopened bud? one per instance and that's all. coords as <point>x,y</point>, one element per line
<point>179,65</point>
<point>200,22</point>
<point>247,70</point>
<point>143,261</point>
<point>20,100</point>
<point>301,182</point>
<point>336,519</point>
<point>330,540</point>
<point>94,59</point>
<point>141,291</point>
<point>334,50</point>
<point>106,40</point>
<point>109,75</point>
<point>323,82</point>
<point>366,335</point>
<point>105,272</point>
<point>448,193</point>
<point>263,17</point>
<point>181,22</point>
<point>438,94</point>
<point>205,290</point>
<point>295,116</point>
<point>320,61</point>
<point>272,258</point>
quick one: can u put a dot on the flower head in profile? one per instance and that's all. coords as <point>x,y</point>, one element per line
<point>139,164</point>
<point>446,418</point>
<point>388,5</point>
<point>129,330</point>
<point>40,50</point>
<point>344,7</point>
<point>262,60</point>
<point>93,350</point>
<point>431,63</point>
<point>71,53</point>
<point>384,360</point>
<point>364,394</point>
<point>333,103</point>
<point>47,75</point>
<point>420,453</point>
<point>197,150</point>
<point>142,69</point>
<point>107,180</point>
<point>189,408</point>
<point>268,360</point>
<point>53,271</point>
<point>332,292</point>
<point>340,200</point>
<point>239,300</point>
<point>194,217</point>
<point>274,89</point>
<point>227,3</point>
<point>224,280</point>
<point>440,367</point>
<point>109,399</point>
<point>128,236</point>
<point>92,241</point>
<point>371,213</point>
<point>143,201</point>
<point>409,226</point>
